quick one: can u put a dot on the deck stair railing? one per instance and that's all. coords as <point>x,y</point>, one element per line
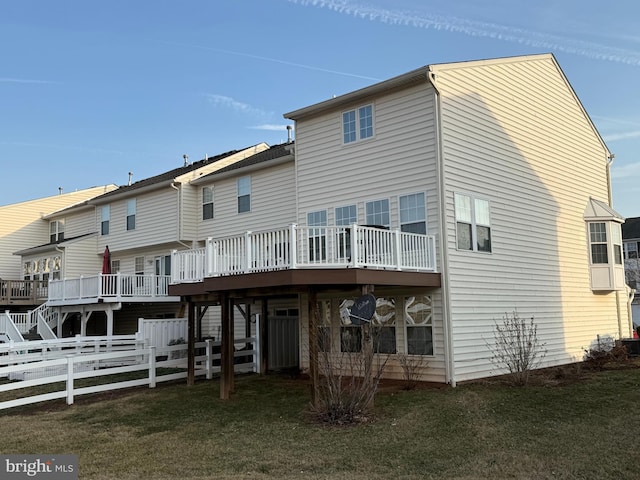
<point>292,247</point>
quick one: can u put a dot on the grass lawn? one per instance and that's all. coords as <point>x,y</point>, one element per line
<point>586,429</point>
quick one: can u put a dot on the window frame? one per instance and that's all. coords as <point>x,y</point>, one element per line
<point>130,221</point>
<point>470,216</point>
<point>105,219</point>
<point>208,205</point>
<point>370,218</point>
<point>358,124</point>
<point>414,209</point>
<point>243,193</point>
<point>56,231</point>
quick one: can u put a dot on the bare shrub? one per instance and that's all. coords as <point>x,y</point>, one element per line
<point>517,347</point>
<point>605,350</point>
<point>411,365</point>
<point>348,382</point>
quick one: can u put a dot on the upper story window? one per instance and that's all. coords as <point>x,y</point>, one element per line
<point>413,213</point>
<point>244,194</point>
<point>56,231</point>
<point>131,214</point>
<point>377,213</point>
<point>473,223</point>
<point>630,250</point>
<point>105,217</point>
<point>357,124</point>
<point>207,203</point>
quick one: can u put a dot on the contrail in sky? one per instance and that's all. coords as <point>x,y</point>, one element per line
<point>478,29</point>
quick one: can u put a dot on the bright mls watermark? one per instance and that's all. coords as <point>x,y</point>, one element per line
<point>51,467</point>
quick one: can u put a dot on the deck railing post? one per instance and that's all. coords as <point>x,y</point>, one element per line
<point>248,252</point>
<point>398,252</point>
<point>353,239</point>
<point>293,242</point>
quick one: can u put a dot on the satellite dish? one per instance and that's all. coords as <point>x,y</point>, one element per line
<point>363,309</point>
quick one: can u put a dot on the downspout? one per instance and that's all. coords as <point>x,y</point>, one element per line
<point>444,251</point>
<point>610,158</point>
<point>179,222</point>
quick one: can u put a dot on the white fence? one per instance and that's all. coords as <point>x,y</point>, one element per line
<point>161,332</point>
<point>296,246</point>
<point>73,365</point>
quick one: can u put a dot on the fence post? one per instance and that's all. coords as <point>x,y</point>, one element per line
<point>152,367</point>
<point>209,362</point>
<point>69,379</point>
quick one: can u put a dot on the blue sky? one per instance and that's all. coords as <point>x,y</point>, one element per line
<point>90,91</point>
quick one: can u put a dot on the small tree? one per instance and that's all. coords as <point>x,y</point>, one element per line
<point>412,367</point>
<point>517,347</point>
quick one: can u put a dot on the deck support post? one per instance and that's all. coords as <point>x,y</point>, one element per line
<point>226,375</point>
<point>314,374</point>
<point>264,340</point>
<point>191,343</point>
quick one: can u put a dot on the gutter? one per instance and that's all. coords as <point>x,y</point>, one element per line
<point>444,250</point>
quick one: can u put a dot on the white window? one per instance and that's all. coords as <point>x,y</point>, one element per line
<point>244,194</point>
<point>473,223</point>
<point>357,124</point>
<point>384,326</point>
<point>599,244</point>
<point>56,231</point>
<point>378,213</point>
<point>413,213</point>
<point>115,266</point>
<point>345,216</point>
<point>131,214</point>
<point>418,321</point>
<point>630,250</point>
<point>207,203</point>
<point>105,217</point>
<point>317,236</point>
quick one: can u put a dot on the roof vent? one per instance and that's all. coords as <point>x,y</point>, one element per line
<point>289,128</point>
<point>186,159</point>
<point>130,177</point>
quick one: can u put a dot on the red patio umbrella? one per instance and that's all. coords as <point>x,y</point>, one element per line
<point>106,261</point>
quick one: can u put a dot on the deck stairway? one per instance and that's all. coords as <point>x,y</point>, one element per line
<point>36,324</point>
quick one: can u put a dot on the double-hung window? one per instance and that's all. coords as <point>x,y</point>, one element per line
<point>56,231</point>
<point>357,124</point>
<point>378,213</point>
<point>131,214</point>
<point>317,236</point>
<point>345,216</point>
<point>413,214</point>
<point>473,223</point>
<point>599,243</point>
<point>244,194</point>
<point>207,203</point>
<point>105,217</point>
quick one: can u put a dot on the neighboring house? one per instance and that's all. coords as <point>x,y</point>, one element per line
<point>455,193</point>
<point>140,224</point>
<point>631,250</point>
<point>23,284</point>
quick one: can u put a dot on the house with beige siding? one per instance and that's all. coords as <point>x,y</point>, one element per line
<point>23,281</point>
<point>454,194</point>
<point>139,224</point>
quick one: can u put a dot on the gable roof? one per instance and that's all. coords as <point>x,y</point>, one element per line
<point>272,156</point>
<point>631,228</point>
<point>52,245</point>
<point>169,177</point>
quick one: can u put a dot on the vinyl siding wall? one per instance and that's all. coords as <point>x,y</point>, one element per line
<point>400,159</point>
<point>514,134</point>
<point>272,203</point>
<point>21,225</point>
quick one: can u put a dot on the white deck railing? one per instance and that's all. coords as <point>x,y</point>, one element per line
<point>295,246</point>
<point>104,286</point>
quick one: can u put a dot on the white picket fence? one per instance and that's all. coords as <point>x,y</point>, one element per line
<point>93,359</point>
